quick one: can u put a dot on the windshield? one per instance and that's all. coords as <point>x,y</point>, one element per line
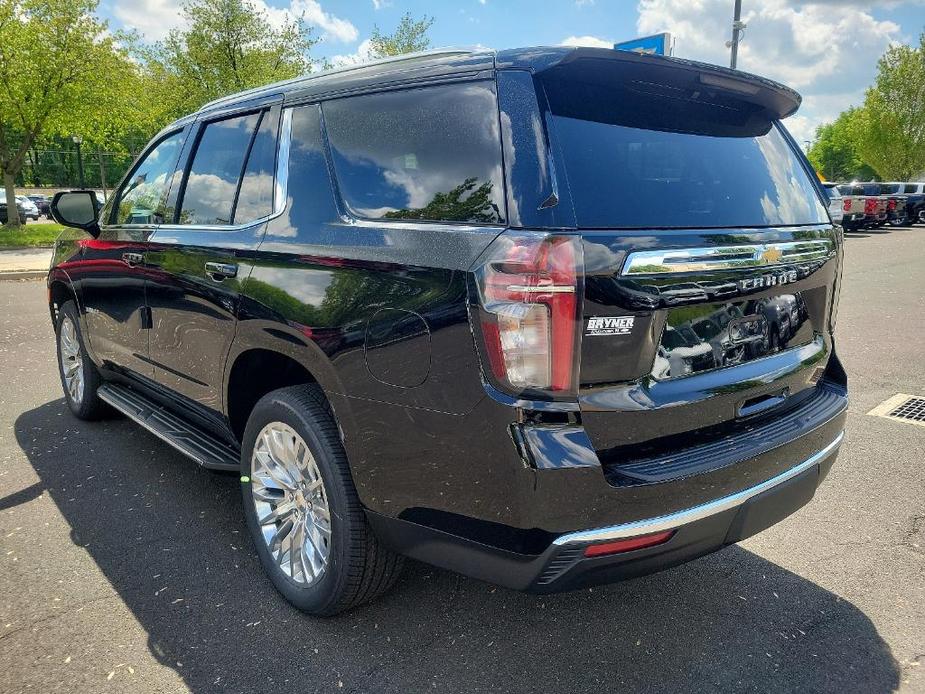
<point>621,176</point>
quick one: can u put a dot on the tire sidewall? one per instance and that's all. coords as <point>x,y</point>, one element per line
<point>69,310</point>
<point>320,596</point>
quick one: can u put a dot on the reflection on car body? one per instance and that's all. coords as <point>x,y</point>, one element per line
<point>719,335</point>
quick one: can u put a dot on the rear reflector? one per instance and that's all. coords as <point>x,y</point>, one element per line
<point>628,544</point>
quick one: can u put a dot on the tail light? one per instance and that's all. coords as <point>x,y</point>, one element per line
<point>891,205</point>
<point>870,206</point>
<point>846,205</point>
<point>529,294</point>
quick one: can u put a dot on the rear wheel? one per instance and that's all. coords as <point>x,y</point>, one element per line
<point>302,508</point>
<point>79,375</point>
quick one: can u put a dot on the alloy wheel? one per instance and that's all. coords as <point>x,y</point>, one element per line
<point>291,503</point>
<point>72,364</point>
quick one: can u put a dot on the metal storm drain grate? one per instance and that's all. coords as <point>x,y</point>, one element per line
<point>902,407</point>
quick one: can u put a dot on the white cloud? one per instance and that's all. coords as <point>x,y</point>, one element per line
<point>825,50</point>
<point>333,27</point>
<point>155,18</point>
<point>379,4</point>
<point>592,41</point>
<point>361,55</point>
<point>152,18</point>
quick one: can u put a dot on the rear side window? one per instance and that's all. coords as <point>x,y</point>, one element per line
<point>692,169</point>
<point>217,173</point>
<point>255,199</point>
<point>423,154</point>
<point>910,188</point>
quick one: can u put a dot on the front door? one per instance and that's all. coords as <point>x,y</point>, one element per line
<point>197,264</point>
<point>111,271</point>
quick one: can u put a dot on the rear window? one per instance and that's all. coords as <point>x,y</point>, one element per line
<point>622,175</point>
<point>890,188</point>
<point>423,154</point>
<point>910,188</point>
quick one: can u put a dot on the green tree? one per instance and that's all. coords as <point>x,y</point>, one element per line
<point>467,202</point>
<point>60,73</point>
<point>410,36</point>
<point>893,122</point>
<point>225,46</point>
<point>834,152</point>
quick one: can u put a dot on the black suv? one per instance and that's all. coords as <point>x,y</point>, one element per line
<point>403,302</point>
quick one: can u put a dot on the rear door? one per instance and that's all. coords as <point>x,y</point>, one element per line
<point>700,220</point>
<point>198,262</point>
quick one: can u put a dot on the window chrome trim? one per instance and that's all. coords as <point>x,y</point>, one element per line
<point>681,518</point>
<point>684,260</point>
<point>280,189</point>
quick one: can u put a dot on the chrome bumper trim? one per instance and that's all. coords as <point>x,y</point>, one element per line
<point>676,520</point>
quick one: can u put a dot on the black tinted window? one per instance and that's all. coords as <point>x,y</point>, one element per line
<point>431,153</point>
<point>910,188</point>
<point>216,169</point>
<point>141,199</point>
<point>255,199</point>
<point>629,176</point>
<point>890,188</point>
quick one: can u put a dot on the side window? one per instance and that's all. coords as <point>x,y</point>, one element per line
<point>216,169</point>
<point>141,199</point>
<point>432,153</point>
<point>255,199</point>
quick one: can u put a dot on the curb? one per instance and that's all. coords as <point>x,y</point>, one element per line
<point>23,275</point>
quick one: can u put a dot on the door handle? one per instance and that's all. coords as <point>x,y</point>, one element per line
<point>133,259</point>
<point>219,271</point>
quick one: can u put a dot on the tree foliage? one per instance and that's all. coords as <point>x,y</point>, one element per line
<point>467,202</point>
<point>61,73</point>
<point>226,46</point>
<point>893,122</point>
<point>885,137</point>
<point>835,152</point>
<point>410,36</point>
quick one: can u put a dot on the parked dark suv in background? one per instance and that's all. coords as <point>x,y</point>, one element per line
<point>422,305</point>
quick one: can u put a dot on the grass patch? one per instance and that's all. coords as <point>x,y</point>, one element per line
<point>41,235</point>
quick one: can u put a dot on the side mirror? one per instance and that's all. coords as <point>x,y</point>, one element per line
<point>78,209</point>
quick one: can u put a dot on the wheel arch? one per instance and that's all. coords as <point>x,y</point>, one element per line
<point>268,357</point>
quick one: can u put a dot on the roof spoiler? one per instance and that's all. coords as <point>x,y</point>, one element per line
<point>775,99</point>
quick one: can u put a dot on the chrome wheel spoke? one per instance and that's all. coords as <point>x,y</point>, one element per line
<point>290,503</point>
<point>71,359</point>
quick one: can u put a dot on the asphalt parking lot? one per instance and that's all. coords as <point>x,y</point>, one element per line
<point>126,568</point>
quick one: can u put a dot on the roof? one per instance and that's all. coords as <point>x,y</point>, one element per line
<point>440,63</point>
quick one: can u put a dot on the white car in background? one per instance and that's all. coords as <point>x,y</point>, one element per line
<point>836,203</point>
<point>32,212</point>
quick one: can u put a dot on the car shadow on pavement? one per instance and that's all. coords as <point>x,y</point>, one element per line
<point>171,540</point>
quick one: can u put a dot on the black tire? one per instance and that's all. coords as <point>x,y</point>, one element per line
<point>358,567</point>
<point>86,405</point>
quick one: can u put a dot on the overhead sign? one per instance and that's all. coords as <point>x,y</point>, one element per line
<point>659,44</point>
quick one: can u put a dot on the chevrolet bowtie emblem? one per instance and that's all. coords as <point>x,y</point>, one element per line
<point>770,255</point>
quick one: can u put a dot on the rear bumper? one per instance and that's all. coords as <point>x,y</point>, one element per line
<point>697,530</point>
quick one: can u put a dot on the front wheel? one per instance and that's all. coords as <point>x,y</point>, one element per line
<point>79,375</point>
<point>302,508</point>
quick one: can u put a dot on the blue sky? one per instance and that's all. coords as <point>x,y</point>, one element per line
<point>826,49</point>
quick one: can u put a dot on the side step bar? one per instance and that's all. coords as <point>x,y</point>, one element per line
<point>205,449</point>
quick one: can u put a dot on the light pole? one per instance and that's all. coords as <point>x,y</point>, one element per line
<point>737,27</point>
<point>80,160</point>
